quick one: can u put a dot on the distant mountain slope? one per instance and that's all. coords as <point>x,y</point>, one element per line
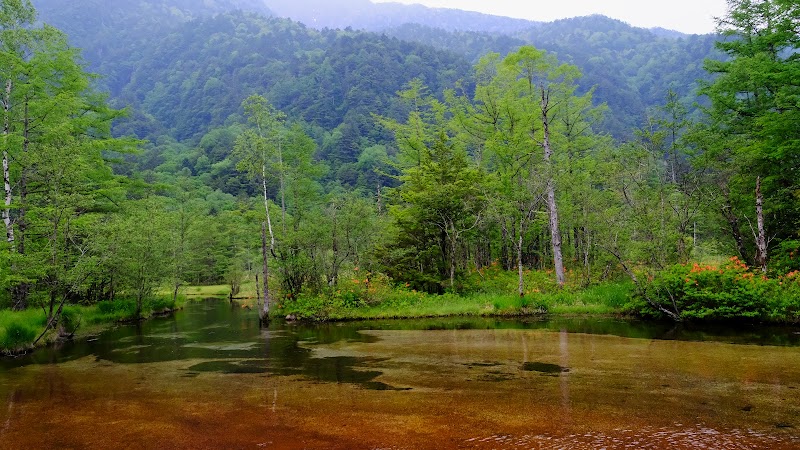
<point>363,14</point>
<point>187,71</point>
<point>196,77</point>
<point>631,68</point>
<point>112,32</point>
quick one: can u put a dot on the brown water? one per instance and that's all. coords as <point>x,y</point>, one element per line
<point>210,378</point>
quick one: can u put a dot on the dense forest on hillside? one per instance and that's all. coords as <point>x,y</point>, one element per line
<point>234,147</point>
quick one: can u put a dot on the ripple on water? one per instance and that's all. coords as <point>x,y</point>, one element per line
<point>697,437</point>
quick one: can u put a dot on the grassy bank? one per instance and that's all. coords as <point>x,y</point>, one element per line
<point>19,329</point>
<point>490,292</point>
<point>393,302</point>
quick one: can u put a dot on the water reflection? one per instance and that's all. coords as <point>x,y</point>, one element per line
<point>470,383</point>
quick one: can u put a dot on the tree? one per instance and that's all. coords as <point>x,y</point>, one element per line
<point>137,243</point>
<point>528,114</point>
<point>440,201</point>
<point>55,132</point>
<point>754,117</point>
<point>257,149</point>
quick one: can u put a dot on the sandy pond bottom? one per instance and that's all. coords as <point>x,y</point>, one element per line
<point>285,388</point>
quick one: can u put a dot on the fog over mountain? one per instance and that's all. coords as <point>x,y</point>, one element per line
<point>364,14</point>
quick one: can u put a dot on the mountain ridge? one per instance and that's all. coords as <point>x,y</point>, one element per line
<point>371,16</point>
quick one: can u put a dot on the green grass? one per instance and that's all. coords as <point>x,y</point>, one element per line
<point>220,291</point>
<point>18,329</point>
<point>394,302</point>
<point>607,298</point>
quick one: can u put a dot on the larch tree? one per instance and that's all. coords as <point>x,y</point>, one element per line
<point>56,130</point>
<point>755,121</point>
<point>524,103</point>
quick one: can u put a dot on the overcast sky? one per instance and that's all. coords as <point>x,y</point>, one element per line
<point>688,16</point>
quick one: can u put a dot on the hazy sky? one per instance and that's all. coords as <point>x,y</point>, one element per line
<point>688,16</point>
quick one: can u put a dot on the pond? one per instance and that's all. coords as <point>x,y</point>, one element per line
<point>210,377</point>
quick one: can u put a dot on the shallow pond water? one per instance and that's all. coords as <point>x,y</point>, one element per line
<point>210,377</point>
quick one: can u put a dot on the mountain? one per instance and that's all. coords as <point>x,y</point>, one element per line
<point>631,69</point>
<point>112,33</point>
<point>197,76</point>
<point>183,68</point>
<point>363,14</point>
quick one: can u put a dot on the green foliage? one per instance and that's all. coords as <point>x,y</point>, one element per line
<point>121,308</point>
<point>785,258</point>
<point>726,292</point>
<point>70,320</point>
<point>492,293</point>
<point>752,134</point>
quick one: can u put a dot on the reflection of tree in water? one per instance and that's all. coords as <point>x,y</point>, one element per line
<point>228,339</point>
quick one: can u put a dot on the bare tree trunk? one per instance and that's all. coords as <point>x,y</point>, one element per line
<point>283,186</point>
<point>505,259</point>
<point>733,223</point>
<point>452,239</point>
<point>263,312</point>
<point>266,206</point>
<point>552,207</point>
<point>452,270</point>
<point>6,171</point>
<point>521,280</point>
<point>555,233</point>
<point>761,237</point>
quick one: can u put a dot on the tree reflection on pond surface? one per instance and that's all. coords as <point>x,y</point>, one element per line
<point>209,377</point>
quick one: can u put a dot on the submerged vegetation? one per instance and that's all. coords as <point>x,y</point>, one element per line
<point>338,174</point>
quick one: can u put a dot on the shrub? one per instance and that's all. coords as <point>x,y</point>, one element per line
<point>729,291</point>
<point>158,304</point>
<point>785,258</point>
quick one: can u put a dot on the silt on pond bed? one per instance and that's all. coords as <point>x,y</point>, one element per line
<point>209,377</point>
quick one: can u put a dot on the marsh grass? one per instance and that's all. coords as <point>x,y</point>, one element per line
<point>218,291</point>
<point>19,329</point>
<point>493,293</point>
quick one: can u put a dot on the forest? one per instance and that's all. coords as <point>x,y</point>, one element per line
<point>341,173</point>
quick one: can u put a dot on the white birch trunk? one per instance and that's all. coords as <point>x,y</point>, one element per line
<point>263,312</point>
<point>6,171</point>
<point>520,273</point>
<point>266,206</point>
<point>761,238</point>
<point>552,207</point>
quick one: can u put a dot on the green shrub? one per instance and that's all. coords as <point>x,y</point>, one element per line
<point>303,307</point>
<point>158,304</point>
<point>785,258</point>
<point>729,291</point>
<point>17,336</point>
